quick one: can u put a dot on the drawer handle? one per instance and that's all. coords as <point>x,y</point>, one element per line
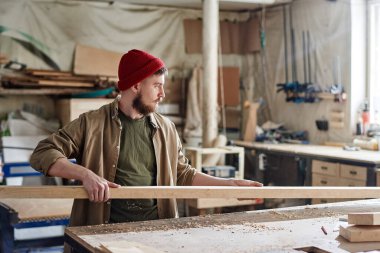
<point>324,168</point>
<point>323,182</point>
<point>352,172</point>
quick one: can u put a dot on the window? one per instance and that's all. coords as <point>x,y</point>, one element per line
<point>374,58</point>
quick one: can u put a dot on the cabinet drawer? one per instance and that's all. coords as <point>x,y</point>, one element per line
<point>325,168</point>
<point>353,172</point>
<point>322,180</point>
<point>351,182</point>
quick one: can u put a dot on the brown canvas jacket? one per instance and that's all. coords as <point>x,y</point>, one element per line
<point>93,140</point>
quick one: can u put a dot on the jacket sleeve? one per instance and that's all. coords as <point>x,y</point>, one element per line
<point>65,143</point>
<point>185,173</point>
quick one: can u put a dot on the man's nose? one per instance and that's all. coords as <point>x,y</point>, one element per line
<point>162,92</point>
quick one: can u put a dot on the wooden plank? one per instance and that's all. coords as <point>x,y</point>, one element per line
<point>95,61</point>
<point>45,72</point>
<point>360,233</point>
<point>372,218</point>
<point>44,91</point>
<point>64,83</point>
<point>191,192</point>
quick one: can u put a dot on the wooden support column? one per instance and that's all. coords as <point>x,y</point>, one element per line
<point>210,67</point>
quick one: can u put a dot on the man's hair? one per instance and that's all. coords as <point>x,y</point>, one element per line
<point>161,71</point>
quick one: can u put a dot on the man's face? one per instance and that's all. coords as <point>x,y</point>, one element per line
<point>150,93</point>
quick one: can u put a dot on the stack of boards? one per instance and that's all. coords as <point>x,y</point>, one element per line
<point>93,68</point>
<point>38,78</point>
<point>365,228</point>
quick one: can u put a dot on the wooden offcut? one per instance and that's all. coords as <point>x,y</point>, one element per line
<point>251,121</point>
<point>372,218</point>
<point>360,233</point>
<point>95,61</point>
<point>193,192</point>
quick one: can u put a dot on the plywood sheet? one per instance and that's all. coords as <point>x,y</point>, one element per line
<point>236,37</point>
<point>229,77</point>
<point>193,36</point>
<point>95,61</point>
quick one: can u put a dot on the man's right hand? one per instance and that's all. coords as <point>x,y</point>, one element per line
<point>97,187</point>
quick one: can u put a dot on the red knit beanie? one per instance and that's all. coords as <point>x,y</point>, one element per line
<point>135,66</point>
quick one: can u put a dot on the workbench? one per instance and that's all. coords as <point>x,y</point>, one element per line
<point>274,230</point>
<point>29,223</point>
<point>303,155</point>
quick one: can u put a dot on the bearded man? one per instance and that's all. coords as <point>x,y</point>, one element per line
<point>124,143</point>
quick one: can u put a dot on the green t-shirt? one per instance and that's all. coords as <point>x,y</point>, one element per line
<point>136,167</point>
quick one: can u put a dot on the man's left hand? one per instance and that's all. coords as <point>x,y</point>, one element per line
<point>242,182</point>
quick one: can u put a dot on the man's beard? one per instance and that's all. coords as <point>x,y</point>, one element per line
<point>142,108</point>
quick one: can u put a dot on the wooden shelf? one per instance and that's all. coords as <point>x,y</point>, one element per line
<point>326,96</point>
<point>62,91</point>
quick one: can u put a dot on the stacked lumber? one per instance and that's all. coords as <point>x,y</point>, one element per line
<point>366,227</point>
<point>3,59</point>
<point>38,78</point>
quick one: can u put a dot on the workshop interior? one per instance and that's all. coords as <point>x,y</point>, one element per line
<point>281,92</point>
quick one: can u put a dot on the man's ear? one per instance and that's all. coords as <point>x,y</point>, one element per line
<point>136,88</point>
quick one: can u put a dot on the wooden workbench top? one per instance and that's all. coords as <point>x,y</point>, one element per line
<point>35,209</point>
<point>276,230</point>
<point>315,150</point>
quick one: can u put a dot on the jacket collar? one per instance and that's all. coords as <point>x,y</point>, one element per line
<point>153,120</point>
<point>115,107</point>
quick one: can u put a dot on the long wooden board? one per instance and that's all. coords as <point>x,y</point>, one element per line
<point>192,192</point>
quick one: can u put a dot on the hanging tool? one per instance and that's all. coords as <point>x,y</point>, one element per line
<point>337,88</point>
<point>292,89</point>
<point>312,89</point>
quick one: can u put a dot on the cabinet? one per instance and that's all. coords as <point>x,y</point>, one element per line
<point>336,174</point>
